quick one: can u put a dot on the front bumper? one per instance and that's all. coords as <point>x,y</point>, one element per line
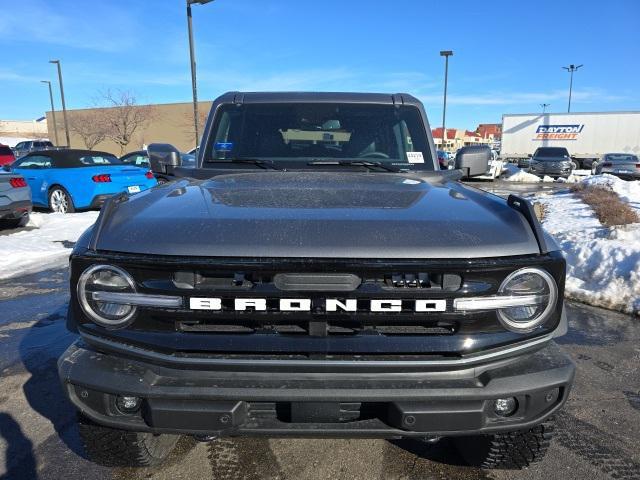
<point>356,400</point>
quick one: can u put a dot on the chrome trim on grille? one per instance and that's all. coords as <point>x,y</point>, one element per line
<point>137,299</point>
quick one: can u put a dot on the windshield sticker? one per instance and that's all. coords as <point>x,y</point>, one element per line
<point>415,157</point>
<point>223,146</point>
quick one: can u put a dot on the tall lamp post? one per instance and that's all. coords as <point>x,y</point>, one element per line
<point>64,106</point>
<point>53,111</point>
<point>192,56</point>
<point>571,68</point>
<point>544,107</point>
<point>446,54</point>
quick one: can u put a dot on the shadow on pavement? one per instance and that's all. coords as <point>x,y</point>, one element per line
<point>20,461</point>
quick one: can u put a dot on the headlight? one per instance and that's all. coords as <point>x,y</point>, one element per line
<point>101,279</point>
<point>534,293</point>
<point>524,301</point>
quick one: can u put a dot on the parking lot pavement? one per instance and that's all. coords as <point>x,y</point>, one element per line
<point>598,437</point>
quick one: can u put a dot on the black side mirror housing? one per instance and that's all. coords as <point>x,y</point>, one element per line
<point>473,161</point>
<point>163,158</point>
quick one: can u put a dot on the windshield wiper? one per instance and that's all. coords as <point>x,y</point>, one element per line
<point>265,164</point>
<point>355,163</point>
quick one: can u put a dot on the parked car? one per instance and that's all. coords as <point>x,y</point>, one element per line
<point>69,180</point>
<point>140,158</point>
<point>623,165</point>
<point>29,146</point>
<point>444,160</point>
<point>15,200</point>
<point>326,279</point>
<point>6,155</point>
<point>552,161</point>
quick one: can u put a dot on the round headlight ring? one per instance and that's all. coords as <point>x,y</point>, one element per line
<point>88,309</point>
<point>529,325</point>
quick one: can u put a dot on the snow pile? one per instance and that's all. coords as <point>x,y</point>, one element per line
<point>511,173</point>
<point>603,264</point>
<point>45,243</point>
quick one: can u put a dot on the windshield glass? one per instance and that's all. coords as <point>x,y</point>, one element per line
<point>551,152</point>
<point>621,157</point>
<point>318,131</point>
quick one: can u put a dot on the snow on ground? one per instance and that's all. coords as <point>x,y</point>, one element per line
<point>603,264</point>
<point>45,243</point>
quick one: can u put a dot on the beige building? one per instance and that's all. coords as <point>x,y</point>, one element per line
<point>164,123</point>
<point>23,128</point>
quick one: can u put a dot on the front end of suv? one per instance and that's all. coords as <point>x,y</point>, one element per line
<point>361,348</point>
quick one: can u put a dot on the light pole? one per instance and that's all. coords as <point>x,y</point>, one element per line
<point>192,55</point>
<point>64,106</point>
<point>53,111</point>
<point>446,54</point>
<point>544,107</point>
<point>571,68</point>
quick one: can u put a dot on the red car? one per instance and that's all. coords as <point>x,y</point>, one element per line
<point>6,156</point>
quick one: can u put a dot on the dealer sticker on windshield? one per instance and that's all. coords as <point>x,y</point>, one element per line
<point>415,157</point>
<point>223,146</point>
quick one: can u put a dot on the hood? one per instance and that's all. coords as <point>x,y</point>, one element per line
<point>316,214</point>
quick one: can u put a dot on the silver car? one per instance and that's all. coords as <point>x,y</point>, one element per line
<point>15,200</point>
<point>623,165</point>
<point>28,146</point>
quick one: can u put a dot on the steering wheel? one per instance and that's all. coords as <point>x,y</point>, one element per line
<point>374,155</point>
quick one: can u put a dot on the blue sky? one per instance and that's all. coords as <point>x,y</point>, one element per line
<point>508,54</point>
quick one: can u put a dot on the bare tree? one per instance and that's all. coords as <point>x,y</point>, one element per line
<point>189,128</point>
<point>124,117</point>
<point>90,126</point>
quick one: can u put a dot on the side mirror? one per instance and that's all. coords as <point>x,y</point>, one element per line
<point>473,161</point>
<point>163,158</point>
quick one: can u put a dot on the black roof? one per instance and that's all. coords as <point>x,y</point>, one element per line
<point>68,157</point>
<point>318,97</point>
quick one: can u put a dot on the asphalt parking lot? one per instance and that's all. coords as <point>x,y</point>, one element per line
<point>599,430</point>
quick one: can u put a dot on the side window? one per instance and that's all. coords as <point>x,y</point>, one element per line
<point>19,146</point>
<point>34,162</point>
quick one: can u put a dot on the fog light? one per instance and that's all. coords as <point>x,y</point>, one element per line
<point>505,407</point>
<point>128,405</point>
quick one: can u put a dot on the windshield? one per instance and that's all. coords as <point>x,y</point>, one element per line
<point>551,152</point>
<point>621,157</point>
<point>290,132</point>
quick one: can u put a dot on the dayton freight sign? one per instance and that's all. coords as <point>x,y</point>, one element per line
<point>558,132</point>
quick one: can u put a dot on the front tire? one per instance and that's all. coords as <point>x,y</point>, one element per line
<point>509,450</point>
<point>121,448</point>
<point>60,201</point>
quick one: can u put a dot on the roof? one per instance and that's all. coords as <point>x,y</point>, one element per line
<point>319,97</point>
<point>68,157</point>
<point>437,133</point>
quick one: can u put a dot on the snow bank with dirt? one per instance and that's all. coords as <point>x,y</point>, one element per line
<point>46,242</point>
<point>603,263</point>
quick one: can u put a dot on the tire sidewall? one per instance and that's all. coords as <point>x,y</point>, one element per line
<point>70,208</point>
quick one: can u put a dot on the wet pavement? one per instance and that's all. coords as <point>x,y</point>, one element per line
<point>598,435</point>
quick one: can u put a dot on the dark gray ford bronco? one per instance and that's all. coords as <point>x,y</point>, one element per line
<point>317,275</point>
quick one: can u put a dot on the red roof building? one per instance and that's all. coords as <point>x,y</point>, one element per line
<point>487,130</point>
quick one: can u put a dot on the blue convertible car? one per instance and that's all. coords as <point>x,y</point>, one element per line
<point>69,180</point>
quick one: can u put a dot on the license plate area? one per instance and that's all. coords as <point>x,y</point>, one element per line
<point>133,189</point>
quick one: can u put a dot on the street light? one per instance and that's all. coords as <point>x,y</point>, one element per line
<point>571,68</point>
<point>446,54</point>
<point>544,107</point>
<point>53,111</point>
<point>192,55</point>
<point>64,106</point>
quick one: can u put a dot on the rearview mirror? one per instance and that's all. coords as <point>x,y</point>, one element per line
<point>163,158</point>
<point>473,161</point>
